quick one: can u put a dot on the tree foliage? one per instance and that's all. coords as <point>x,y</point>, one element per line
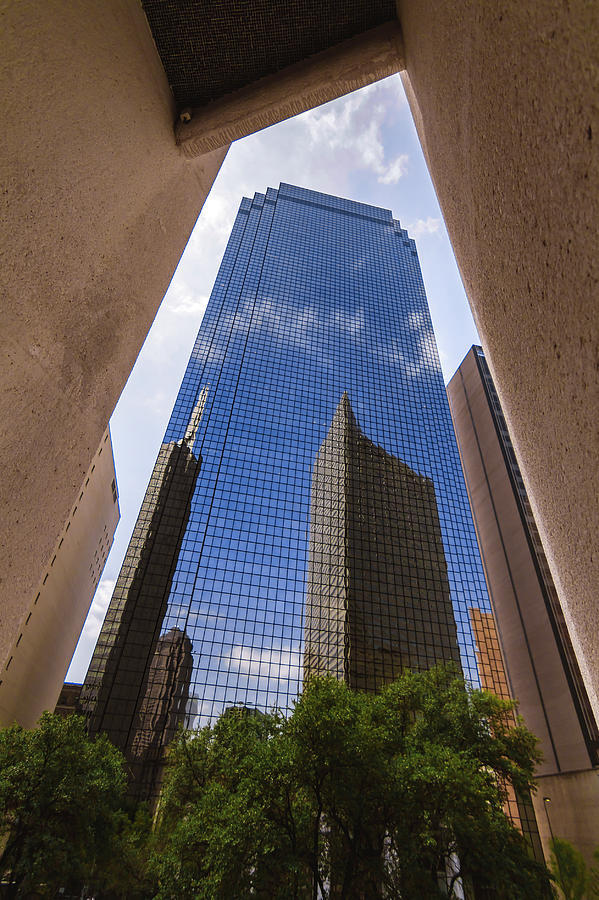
<point>571,874</point>
<point>353,796</point>
<point>59,796</point>
<point>124,875</point>
<point>569,869</point>
<point>593,878</point>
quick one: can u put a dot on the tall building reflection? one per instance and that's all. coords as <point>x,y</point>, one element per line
<point>163,708</point>
<point>137,685</point>
<point>378,598</point>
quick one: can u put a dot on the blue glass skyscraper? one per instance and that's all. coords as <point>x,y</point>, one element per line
<point>308,491</point>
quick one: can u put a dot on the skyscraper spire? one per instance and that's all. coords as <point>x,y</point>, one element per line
<point>196,416</point>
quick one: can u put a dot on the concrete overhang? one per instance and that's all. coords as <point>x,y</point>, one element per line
<point>356,62</point>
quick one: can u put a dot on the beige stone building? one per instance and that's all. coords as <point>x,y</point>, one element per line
<point>543,671</point>
<point>45,632</point>
<point>117,117</point>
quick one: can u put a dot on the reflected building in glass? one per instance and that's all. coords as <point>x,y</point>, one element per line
<point>319,514</point>
<point>137,687</point>
<point>378,599</point>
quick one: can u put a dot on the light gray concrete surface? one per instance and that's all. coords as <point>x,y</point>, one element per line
<point>538,676</point>
<point>572,810</point>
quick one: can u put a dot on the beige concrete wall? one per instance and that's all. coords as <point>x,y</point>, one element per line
<point>535,668</point>
<point>33,675</point>
<point>97,206</point>
<point>573,810</point>
<point>505,97</point>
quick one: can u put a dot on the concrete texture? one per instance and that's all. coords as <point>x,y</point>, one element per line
<point>323,77</point>
<point>47,632</point>
<point>506,101</point>
<point>98,204</point>
<point>573,810</point>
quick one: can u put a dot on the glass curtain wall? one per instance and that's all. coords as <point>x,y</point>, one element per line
<point>317,299</point>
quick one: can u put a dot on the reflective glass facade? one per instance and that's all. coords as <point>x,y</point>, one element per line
<point>271,527</point>
<point>378,597</point>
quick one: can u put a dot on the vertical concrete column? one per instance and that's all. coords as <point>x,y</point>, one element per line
<point>98,203</point>
<point>505,98</point>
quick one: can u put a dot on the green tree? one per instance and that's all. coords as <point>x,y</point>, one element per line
<point>217,822</point>
<point>398,794</point>
<point>569,869</point>
<point>593,882</point>
<point>59,796</point>
<point>124,874</point>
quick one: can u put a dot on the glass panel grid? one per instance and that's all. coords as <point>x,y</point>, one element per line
<point>260,547</point>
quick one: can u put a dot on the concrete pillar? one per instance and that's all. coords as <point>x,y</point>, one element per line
<point>98,203</point>
<point>505,98</point>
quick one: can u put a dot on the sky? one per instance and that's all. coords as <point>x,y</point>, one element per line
<point>363,147</point>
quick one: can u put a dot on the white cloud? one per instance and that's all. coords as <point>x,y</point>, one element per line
<point>100,604</point>
<point>157,404</point>
<point>207,351</point>
<point>183,301</point>
<point>352,323</point>
<point>418,321</point>
<point>91,630</point>
<point>304,322</point>
<point>351,131</point>
<point>322,149</point>
<point>283,662</point>
<point>423,358</point>
<point>169,337</point>
<point>424,226</point>
<point>215,217</point>
<point>395,170</point>
<point>425,363</point>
